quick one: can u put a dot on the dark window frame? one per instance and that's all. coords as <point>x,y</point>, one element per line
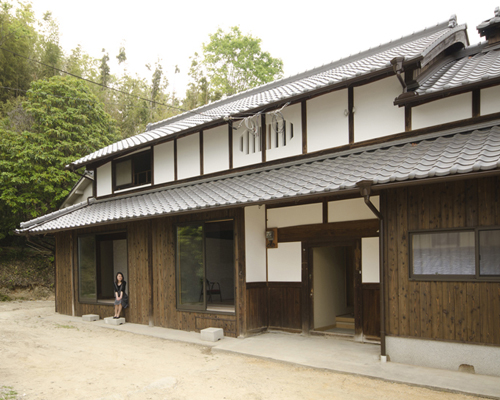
<point>476,277</point>
<point>132,157</point>
<point>203,308</point>
<point>100,236</point>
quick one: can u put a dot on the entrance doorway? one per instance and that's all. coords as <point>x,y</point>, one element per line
<point>333,289</point>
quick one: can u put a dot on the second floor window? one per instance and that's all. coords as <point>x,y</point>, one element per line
<point>133,171</point>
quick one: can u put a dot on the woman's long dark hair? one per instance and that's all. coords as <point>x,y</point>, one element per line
<point>116,278</point>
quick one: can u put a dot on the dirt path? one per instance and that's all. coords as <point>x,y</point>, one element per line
<point>42,359</point>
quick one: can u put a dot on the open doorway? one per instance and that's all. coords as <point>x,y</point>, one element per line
<point>333,289</point>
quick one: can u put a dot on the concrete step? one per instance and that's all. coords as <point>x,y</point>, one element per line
<point>114,321</point>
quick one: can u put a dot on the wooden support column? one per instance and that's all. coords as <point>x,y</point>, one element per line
<point>325,212</point>
<point>304,126</point>
<point>150,273</point>
<point>350,108</point>
<point>407,118</point>
<point>230,143</point>
<point>263,136</point>
<point>476,103</point>
<point>175,159</point>
<point>72,258</point>
<point>241,308</point>
<point>201,153</point>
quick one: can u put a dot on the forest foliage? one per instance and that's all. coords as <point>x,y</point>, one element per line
<point>58,105</point>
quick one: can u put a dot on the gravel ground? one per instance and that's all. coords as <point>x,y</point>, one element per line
<point>42,359</point>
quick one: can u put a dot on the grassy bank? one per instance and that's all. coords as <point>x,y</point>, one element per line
<point>25,274</point>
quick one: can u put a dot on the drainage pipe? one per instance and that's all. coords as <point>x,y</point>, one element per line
<point>365,189</point>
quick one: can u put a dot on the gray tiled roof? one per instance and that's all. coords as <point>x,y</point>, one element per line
<point>448,155</point>
<point>338,72</point>
<point>471,68</point>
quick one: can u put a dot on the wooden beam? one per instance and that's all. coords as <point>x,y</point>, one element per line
<point>304,126</point>
<point>333,230</point>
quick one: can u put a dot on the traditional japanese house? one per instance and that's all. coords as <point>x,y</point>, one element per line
<point>360,198</point>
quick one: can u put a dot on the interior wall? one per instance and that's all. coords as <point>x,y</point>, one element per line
<point>438,112</point>
<point>285,262</point>
<point>370,261</point>
<point>104,182</point>
<point>120,263</point>
<point>351,209</point>
<point>329,283</point>
<point>295,215</point>
<point>216,149</point>
<point>375,114</point>
<point>220,266</point>
<point>255,244</point>
<point>327,124</point>
<point>164,162</point>
<point>188,156</point>
<point>490,100</point>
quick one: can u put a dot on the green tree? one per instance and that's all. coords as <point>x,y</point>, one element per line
<point>60,121</point>
<point>230,63</point>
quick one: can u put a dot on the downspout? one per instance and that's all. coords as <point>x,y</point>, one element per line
<point>365,189</point>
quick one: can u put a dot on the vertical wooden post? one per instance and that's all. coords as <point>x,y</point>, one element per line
<point>72,257</point>
<point>175,160</point>
<point>350,109</point>
<point>476,103</point>
<point>230,143</point>
<point>201,153</point>
<point>150,273</point>
<point>263,134</point>
<point>304,126</point>
<point>241,293</point>
<point>407,118</point>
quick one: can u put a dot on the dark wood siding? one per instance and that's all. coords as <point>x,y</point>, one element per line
<point>285,305</point>
<point>442,310</point>
<point>161,254</point>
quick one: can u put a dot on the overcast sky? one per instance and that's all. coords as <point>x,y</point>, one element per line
<point>303,34</point>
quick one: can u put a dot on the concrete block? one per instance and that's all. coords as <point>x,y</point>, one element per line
<point>90,317</point>
<point>113,321</point>
<point>212,334</point>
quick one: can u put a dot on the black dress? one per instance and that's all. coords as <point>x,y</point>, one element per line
<point>119,289</point>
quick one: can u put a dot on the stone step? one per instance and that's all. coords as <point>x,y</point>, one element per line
<point>90,317</point>
<point>113,321</point>
<point>344,322</point>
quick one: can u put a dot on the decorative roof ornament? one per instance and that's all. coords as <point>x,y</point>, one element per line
<point>452,23</point>
<point>491,28</point>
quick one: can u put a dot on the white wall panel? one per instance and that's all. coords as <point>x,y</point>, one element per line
<point>490,100</point>
<point>442,111</point>
<point>370,272</point>
<point>216,149</point>
<point>285,262</point>
<point>292,114</point>
<point>188,156</point>
<point>104,182</point>
<point>164,162</point>
<point>295,215</point>
<point>327,125</point>
<point>255,243</point>
<point>375,113</point>
<point>246,147</point>
<point>351,209</point>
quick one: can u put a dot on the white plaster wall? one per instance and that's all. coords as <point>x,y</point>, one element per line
<point>370,272</point>
<point>329,285</point>
<point>375,113</point>
<point>255,243</point>
<point>216,149</point>
<point>294,146</point>
<point>188,156</point>
<point>251,145</point>
<point>351,209</point>
<point>104,182</point>
<point>327,125</point>
<point>444,355</point>
<point>164,162</point>
<point>490,100</point>
<point>285,262</point>
<point>441,111</point>
<point>85,186</point>
<point>295,215</point>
